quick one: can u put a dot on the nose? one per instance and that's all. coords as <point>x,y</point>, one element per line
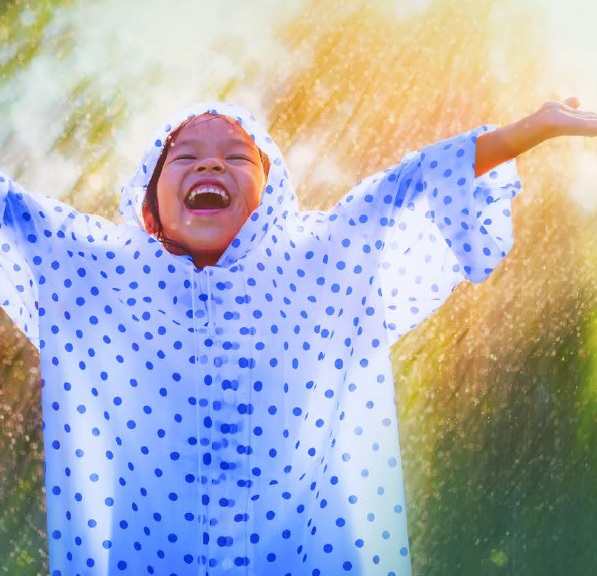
<point>209,165</point>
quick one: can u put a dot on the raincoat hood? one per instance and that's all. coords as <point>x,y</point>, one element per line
<point>277,199</point>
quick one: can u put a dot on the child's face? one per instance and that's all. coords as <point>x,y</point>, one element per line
<point>210,183</point>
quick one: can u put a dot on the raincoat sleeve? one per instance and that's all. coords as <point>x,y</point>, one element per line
<point>431,224</point>
<point>33,228</point>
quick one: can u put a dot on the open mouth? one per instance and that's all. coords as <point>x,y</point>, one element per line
<point>207,197</point>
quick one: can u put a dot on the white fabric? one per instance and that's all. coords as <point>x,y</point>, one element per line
<point>240,419</point>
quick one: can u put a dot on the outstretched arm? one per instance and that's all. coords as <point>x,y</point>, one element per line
<point>551,120</point>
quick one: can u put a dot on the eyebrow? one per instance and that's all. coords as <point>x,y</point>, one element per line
<point>233,141</point>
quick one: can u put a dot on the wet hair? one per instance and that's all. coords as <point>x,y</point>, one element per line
<point>150,202</point>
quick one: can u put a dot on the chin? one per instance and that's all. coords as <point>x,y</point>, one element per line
<point>206,245</point>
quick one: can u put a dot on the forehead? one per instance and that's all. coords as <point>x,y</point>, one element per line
<point>208,128</point>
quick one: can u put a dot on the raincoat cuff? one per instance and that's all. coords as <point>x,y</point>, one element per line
<point>473,214</point>
<point>4,186</point>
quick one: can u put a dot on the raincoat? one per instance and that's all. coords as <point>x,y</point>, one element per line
<point>240,419</point>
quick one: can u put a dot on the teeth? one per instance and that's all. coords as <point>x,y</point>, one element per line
<point>211,202</point>
<point>207,190</point>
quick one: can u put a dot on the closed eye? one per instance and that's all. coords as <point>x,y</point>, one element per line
<point>183,157</point>
<point>240,157</point>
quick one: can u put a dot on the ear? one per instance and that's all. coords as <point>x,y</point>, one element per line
<point>148,220</point>
<point>265,163</point>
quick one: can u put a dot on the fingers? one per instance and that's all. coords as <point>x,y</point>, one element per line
<point>565,118</point>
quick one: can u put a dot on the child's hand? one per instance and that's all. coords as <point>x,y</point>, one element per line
<point>551,120</point>
<point>566,119</point>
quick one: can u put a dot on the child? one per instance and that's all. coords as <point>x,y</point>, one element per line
<point>217,388</point>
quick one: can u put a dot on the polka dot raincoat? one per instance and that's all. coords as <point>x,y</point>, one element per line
<point>240,419</point>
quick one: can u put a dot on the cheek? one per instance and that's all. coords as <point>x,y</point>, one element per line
<point>166,196</point>
<point>256,188</point>
<point>254,200</point>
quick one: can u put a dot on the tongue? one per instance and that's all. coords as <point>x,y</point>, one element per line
<point>207,201</point>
